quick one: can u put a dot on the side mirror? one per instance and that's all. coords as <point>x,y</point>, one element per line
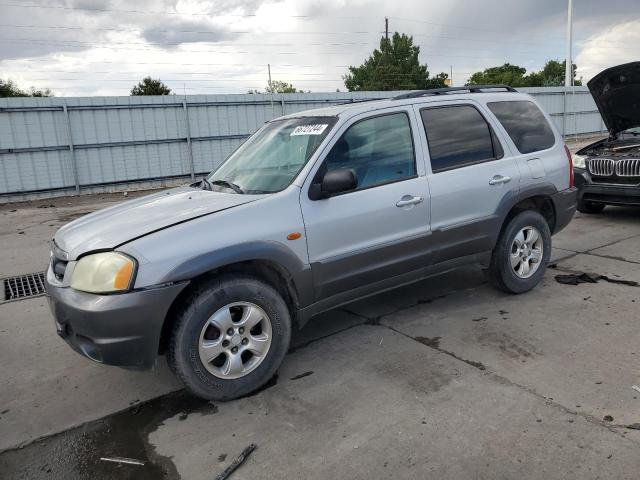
<point>335,181</point>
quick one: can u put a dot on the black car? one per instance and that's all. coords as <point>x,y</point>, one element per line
<point>608,172</point>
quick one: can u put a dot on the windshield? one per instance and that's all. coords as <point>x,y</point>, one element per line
<point>631,131</point>
<point>272,157</point>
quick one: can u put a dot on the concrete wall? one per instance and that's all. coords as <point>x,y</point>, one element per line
<point>61,146</point>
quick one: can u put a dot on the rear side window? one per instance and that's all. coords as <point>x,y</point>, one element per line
<point>525,124</point>
<point>458,136</point>
<point>379,149</point>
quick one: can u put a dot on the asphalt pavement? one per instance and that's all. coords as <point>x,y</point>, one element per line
<point>445,378</point>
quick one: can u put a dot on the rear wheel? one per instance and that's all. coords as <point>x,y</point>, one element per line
<point>230,337</point>
<point>519,259</point>
<point>590,207</point>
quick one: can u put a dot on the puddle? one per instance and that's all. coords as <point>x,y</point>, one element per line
<point>75,454</point>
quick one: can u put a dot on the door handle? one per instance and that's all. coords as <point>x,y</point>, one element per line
<point>498,179</point>
<point>409,200</point>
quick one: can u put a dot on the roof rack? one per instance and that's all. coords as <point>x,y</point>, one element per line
<point>447,90</point>
<point>349,101</point>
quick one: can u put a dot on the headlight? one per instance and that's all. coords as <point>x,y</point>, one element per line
<point>103,273</point>
<point>579,161</point>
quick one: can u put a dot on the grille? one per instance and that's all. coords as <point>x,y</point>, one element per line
<point>601,166</point>
<point>24,286</point>
<point>628,167</point>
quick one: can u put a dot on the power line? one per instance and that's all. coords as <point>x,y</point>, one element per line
<point>260,74</point>
<point>244,64</point>
<point>213,15</point>
<point>244,32</point>
<point>137,79</point>
<point>449,25</point>
<point>114,10</point>
<point>108,44</point>
<point>223,44</point>
<point>233,52</point>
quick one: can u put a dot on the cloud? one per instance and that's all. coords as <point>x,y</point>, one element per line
<point>105,46</point>
<point>176,31</point>
<point>609,47</point>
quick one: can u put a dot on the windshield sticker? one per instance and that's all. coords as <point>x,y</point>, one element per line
<point>309,129</point>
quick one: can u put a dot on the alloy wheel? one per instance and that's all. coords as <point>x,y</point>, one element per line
<point>526,252</point>
<point>235,340</point>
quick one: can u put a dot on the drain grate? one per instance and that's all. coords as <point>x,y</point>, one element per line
<point>24,286</point>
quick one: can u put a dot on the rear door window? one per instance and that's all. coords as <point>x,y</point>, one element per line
<point>525,124</point>
<point>458,136</point>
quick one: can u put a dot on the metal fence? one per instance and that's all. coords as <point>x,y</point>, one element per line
<point>61,146</point>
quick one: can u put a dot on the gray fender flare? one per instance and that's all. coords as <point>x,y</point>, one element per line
<point>545,189</point>
<point>299,272</point>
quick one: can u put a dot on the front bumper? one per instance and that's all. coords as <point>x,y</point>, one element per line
<point>605,193</point>
<point>122,329</point>
<point>564,203</point>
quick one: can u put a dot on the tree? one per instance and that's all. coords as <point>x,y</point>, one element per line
<point>277,86</point>
<point>8,88</point>
<point>150,86</point>
<point>506,74</point>
<point>395,66</point>
<point>552,75</point>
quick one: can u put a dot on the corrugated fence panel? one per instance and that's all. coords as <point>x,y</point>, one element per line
<point>120,140</point>
<point>34,171</point>
<point>131,163</point>
<point>210,153</point>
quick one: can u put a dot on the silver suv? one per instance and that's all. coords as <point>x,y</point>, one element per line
<point>315,210</point>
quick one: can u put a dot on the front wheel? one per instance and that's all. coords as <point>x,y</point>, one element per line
<point>230,337</point>
<point>519,259</point>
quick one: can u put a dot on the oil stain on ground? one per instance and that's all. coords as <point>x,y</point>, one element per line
<point>75,454</point>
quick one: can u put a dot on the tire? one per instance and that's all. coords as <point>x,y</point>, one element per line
<point>507,269</point>
<point>196,333</point>
<point>590,207</point>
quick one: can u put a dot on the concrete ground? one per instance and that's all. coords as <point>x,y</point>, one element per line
<point>446,378</point>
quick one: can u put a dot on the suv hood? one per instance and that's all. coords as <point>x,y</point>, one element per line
<point>616,92</point>
<point>114,226</point>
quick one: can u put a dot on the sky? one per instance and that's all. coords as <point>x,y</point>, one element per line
<point>104,47</point>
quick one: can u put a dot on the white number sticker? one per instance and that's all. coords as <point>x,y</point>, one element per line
<point>309,129</point>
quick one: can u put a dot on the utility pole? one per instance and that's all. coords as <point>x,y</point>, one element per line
<point>568,71</point>
<point>270,88</point>
<point>451,76</point>
<point>386,28</point>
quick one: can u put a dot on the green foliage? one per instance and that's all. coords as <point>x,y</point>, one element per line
<point>506,74</point>
<point>395,66</point>
<point>277,86</point>
<point>150,86</point>
<point>552,75</point>
<point>8,88</point>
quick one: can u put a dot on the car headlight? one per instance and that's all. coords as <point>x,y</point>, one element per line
<point>104,272</point>
<point>579,161</point>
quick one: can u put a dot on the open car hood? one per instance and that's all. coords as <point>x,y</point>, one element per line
<point>616,92</point>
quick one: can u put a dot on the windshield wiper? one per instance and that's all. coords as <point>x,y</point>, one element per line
<point>206,183</point>
<point>227,184</point>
